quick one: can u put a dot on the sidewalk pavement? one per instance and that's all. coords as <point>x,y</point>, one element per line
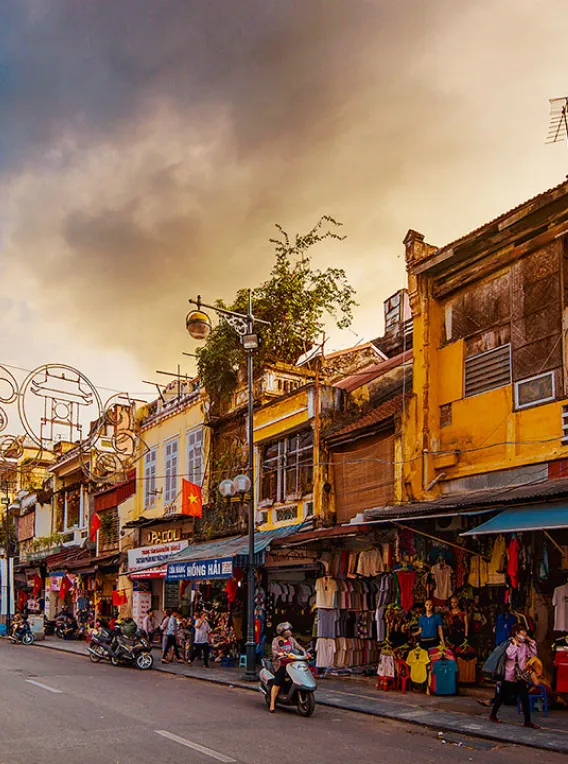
<point>456,714</point>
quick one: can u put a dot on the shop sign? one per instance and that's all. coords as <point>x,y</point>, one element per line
<point>291,560</point>
<point>200,569</point>
<point>145,556</point>
<point>163,537</point>
<point>141,603</point>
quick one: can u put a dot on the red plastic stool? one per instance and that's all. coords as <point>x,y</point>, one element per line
<point>402,675</point>
<point>384,681</point>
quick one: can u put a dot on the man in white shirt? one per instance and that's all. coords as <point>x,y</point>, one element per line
<point>201,639</point>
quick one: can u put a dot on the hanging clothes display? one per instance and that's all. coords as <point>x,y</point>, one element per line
<point>513,562</point>
<point>405,580</point>
<point>418,661</point>
<point>496,567</point>
<point>442,574</point>
<point>560,603</point>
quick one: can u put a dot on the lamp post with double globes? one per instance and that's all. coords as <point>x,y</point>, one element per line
<point>198,325</point>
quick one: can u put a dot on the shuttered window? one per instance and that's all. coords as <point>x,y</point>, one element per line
<point>149,477</point>
<point>487,371</point>
<point>171,470</point>
<point>195,456</point>
<point>364,476</point>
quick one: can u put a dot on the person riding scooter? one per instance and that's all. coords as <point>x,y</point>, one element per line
<point>283,646</point>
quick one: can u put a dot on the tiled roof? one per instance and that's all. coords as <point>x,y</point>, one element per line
<point>503,216</point>
<point>456,503</point>
<point>371,372</point>
<point>375,417</point>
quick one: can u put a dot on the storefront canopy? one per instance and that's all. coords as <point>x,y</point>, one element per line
<point>543,517</point>
<point>219,553</point>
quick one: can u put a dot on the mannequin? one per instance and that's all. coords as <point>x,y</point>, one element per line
<point>430,625</point>
<point>459,623</point>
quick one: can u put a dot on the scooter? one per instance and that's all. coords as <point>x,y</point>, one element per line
<point>298,688</point>
<point>113,646</point>
<point>23,635</point>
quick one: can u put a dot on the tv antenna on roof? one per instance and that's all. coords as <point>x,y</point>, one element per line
<point>558,124</point>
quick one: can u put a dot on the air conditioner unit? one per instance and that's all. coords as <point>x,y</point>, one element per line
<point>449,523</point>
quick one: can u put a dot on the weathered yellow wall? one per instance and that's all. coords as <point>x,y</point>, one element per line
<point>489,434</point>
<point>154,436</point>
<point>272,422</point>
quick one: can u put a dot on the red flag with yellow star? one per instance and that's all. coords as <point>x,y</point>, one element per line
<point>191,502</point>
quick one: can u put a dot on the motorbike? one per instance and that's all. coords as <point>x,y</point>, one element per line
<point>116,648</point>
<point>22,635</point>
<point>298,688</point>
<point>61,626</point>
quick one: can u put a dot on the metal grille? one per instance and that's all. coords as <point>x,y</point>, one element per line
<point>286,513</point>
<point>487,371</point>
<point>565,425</point>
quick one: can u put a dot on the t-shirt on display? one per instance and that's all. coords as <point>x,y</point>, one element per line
<point>560,602</point>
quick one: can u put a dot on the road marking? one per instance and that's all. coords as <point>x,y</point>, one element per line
<point>195,746</point>
<point>44,686</point>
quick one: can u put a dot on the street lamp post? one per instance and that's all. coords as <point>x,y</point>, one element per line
<point>199,327</point>
<point>8,556</point>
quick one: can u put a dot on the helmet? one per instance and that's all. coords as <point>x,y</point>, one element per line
<point>282,627</point>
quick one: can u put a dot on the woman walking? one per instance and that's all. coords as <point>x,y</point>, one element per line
<point>520,650</point>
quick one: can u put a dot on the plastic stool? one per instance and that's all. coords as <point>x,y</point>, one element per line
<point>243,661</point>
<point>384,682</point>
<point>533,697</point>
<point>402,675</point>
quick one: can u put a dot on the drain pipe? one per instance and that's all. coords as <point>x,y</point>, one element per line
<point>433,482</point>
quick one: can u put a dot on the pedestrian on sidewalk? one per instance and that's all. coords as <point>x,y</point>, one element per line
<point>164,626</point>
<point>201,639</point>
<point>171,639</point>
<point>149,625</point>
<point>519,651</point>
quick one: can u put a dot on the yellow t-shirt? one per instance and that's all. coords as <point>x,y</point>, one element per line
<point>418,661</point>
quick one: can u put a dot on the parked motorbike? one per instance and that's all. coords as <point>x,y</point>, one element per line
<point>22,635</point>
<point>116,648</point>
<point>61,629</point>
<point>298,689</point>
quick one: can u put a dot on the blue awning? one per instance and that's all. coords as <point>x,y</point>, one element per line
<point>544,517</point>
<point>236,546</point>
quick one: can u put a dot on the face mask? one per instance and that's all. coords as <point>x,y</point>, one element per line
<point>521,637</point>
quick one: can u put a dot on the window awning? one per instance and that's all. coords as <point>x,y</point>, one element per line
<point>543,517</point>
<point>232,550</point>
<point>236,546</point>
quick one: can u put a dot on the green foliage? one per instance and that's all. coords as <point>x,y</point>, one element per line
<point>296,299</point>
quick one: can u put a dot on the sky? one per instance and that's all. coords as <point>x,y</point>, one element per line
<point>148,147</point>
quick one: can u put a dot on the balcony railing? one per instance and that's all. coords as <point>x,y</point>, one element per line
<point>218,522</point>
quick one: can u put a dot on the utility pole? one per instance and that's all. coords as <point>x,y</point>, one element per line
<point>7,554</point>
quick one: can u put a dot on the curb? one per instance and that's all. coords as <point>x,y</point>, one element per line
<point>446,722</point>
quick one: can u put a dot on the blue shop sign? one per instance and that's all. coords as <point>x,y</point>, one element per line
<point>200,569</point>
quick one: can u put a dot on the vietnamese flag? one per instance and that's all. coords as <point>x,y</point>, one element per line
<point>95,525</point>
<point>119,597</point>
<point>38,583</point>
<point>64,588</point>
<point>191,502</point>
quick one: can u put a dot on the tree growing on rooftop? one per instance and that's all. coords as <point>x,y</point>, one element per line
<point>296,299</point>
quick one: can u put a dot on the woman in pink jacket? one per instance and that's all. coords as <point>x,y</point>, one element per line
<point>519,650</point>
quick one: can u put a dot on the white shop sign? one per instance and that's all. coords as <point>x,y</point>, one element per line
<point>141,603</point>
<point>145,556</point>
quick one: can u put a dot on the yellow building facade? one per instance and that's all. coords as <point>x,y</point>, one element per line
<point>173,445</point>
<point>489,382</point>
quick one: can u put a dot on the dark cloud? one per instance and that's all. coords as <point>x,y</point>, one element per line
<point>148,147</point>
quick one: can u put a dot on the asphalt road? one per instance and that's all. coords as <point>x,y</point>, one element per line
<point>61,709</point>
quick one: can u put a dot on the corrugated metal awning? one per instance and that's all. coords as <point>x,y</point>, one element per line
<point>524,519</point>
